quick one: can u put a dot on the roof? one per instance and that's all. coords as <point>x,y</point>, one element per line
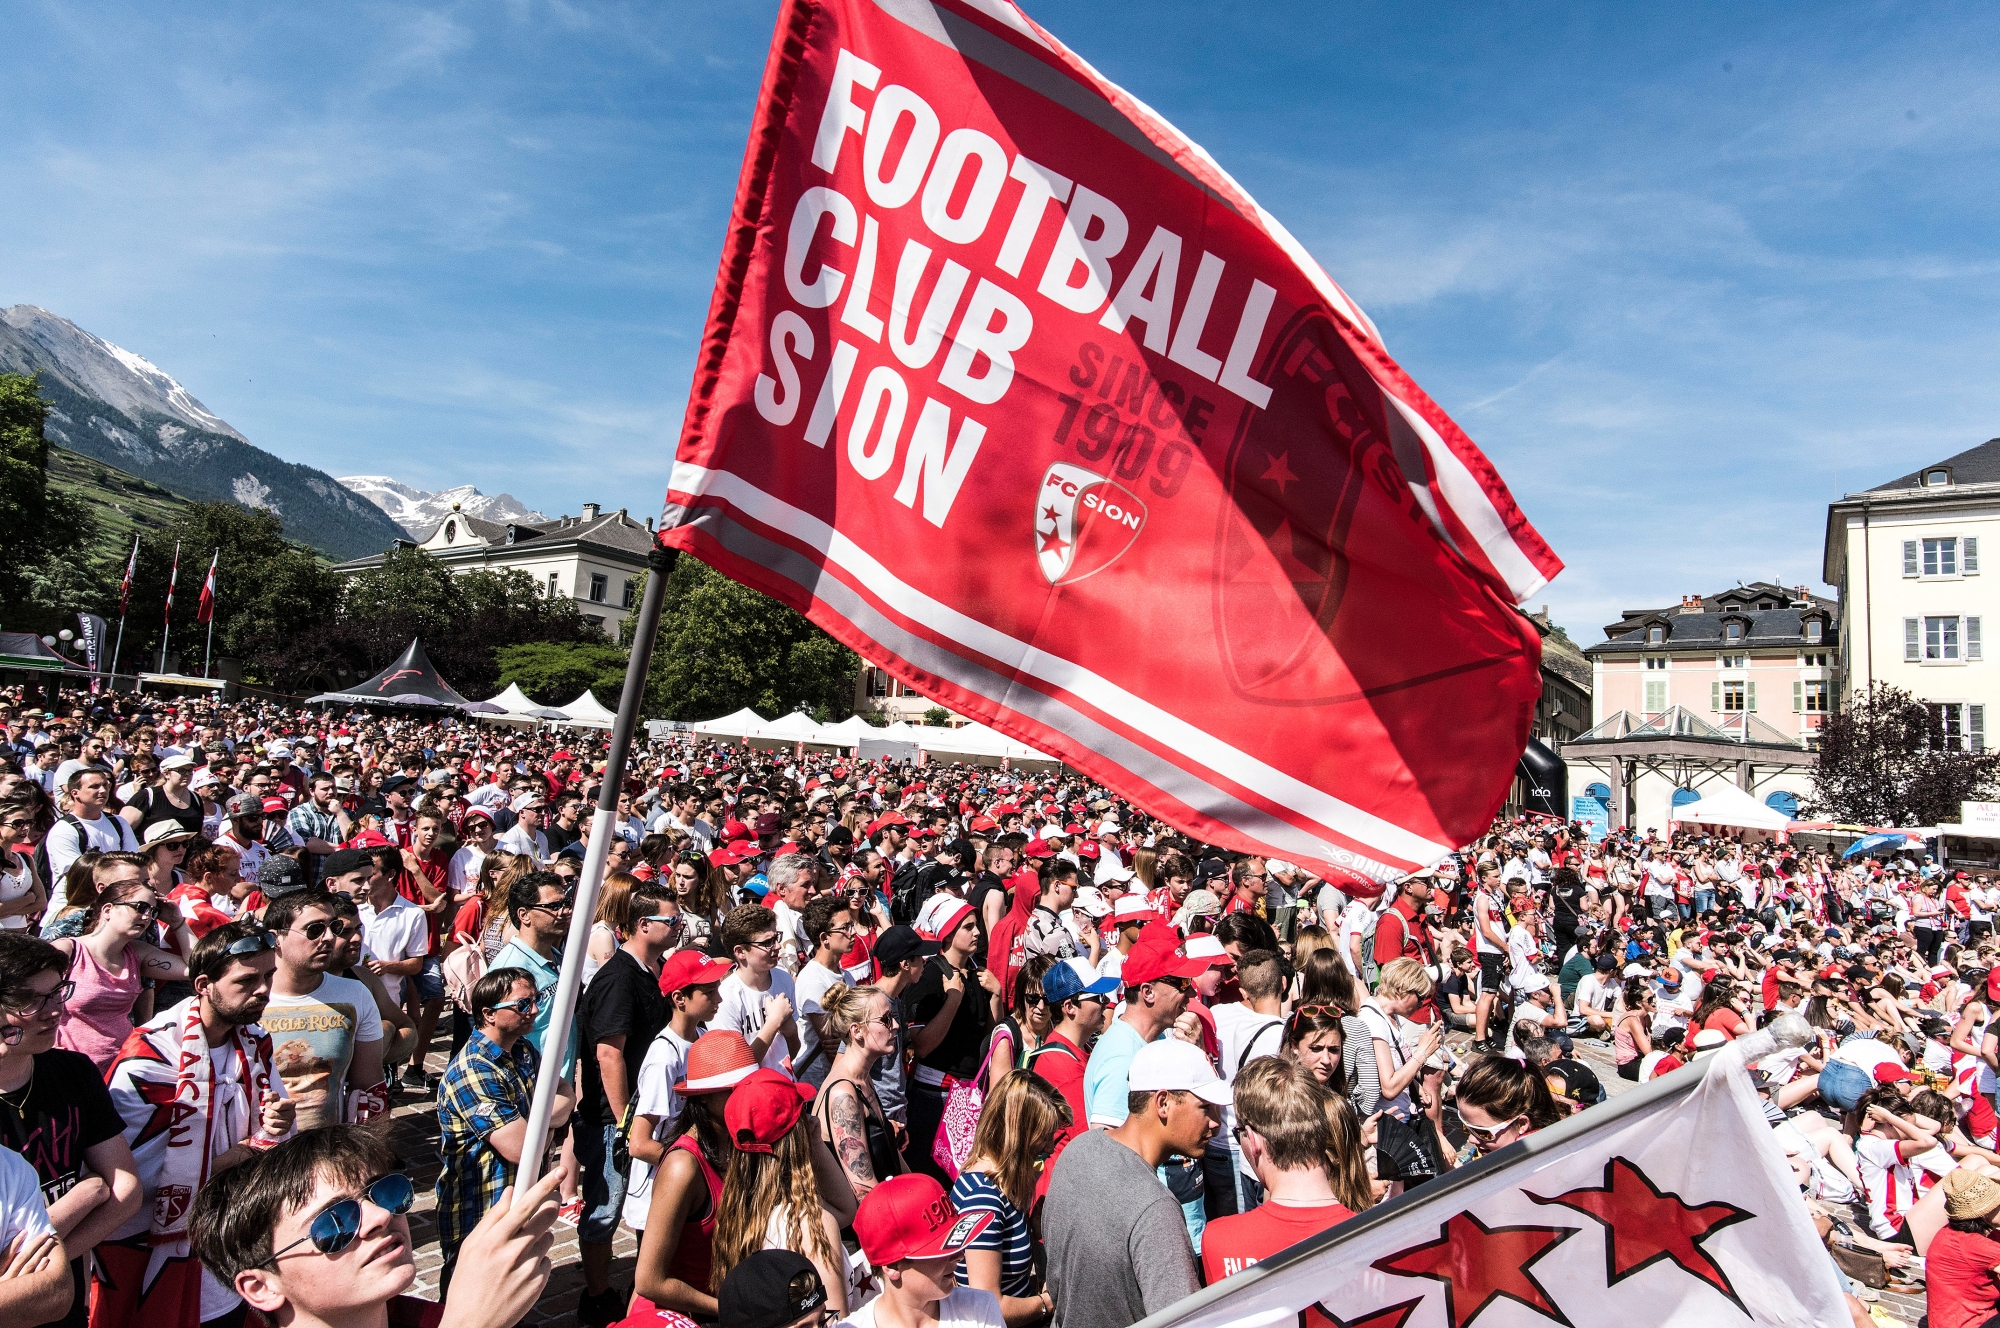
<point>1741,596</point>
<point>1764,629</point>
<point>614,534</point>
<point>1979,465</point>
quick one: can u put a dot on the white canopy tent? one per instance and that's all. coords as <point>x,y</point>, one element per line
<point>587,712</point>
<point>739,725</point>
<point>1725,804</point>
<point>518,706</point>
<point>799,727</point>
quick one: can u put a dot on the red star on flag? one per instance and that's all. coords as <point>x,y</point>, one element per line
<point>1395,1316</point>
<point>1643,1225</point>
<point>1479,1264</point>
<point>1048,513</point>
<point>1053,543</point>
<point>1279,472</point>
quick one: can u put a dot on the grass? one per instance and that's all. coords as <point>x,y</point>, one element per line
<point>124,505</point>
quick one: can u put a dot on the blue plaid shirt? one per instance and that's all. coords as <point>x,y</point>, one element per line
<point>483,1089</point>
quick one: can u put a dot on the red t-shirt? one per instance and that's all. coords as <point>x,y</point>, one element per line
<point>1770,985</point>
<point>1231,1244</point>
<point>1400,936</point>
<point>1062,1065</point>
<point>1958,1271</point>
<point>437,870</point>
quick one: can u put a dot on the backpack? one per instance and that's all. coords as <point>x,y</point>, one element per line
<point>42,868</point>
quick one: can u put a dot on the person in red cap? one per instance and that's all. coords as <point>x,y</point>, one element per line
<point>912,1234</point>
<point>783,1189</point>
<point>691,982</point>
<point>674,1272</point>
<point>1157,979</point>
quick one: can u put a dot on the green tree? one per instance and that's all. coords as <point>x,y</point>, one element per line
<point>553,672</point>
<point>1887,760</point>
<point>724,646</point>
<point>410,587</point>
<point>937,716</point>
<point>45,535</point>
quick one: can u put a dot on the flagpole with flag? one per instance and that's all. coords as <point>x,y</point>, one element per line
<point>173,578</point>
<point>124,602</point>
<point>205,612</point>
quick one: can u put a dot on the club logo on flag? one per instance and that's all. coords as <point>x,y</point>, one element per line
<point>1084,522</point>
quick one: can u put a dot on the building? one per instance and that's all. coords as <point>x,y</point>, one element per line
<point>1905,557</point>
<point>1564,710</point>
<point>1732,686</point>
<point>595,558</point>
<point>878,691</point>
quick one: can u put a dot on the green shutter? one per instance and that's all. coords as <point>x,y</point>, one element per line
<point>1715,697</point>
<point>1798,698</point>
<point>1749,696</point>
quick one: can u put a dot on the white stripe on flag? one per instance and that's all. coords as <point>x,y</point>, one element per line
<point>1136,713</point>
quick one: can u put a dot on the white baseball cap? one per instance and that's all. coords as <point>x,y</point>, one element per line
<point>1133,906</point>
<point>1119,872</point>
<point>1203,945</point>
<point>1170,1065</point>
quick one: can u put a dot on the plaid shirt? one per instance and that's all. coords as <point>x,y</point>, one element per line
<point>306,821</point>
<point>483,1089</point>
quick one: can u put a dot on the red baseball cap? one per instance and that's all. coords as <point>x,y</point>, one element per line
<point>691,968</point>
<point>1888,1072</point>
<point>1150,963</point>
<point>763,1110</point>
<point>911,1217</point>
<point>718,1060</point>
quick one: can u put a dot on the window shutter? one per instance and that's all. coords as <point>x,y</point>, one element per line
<point>1975,727</point>
<point>1968,563</point>
<point>1715,697</point>
<point>1910,565</point>
<point>1912,644</point>
<point>1972,638</point>
<point>1798,698</point>
<point>1749,696</point>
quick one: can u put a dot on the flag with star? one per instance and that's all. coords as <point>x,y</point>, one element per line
<point>1671,1206</point>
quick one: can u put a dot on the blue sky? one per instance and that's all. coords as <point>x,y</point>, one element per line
<point>1685,273</point>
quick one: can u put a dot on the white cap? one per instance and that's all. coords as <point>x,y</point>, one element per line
<point>1108,826</point>
<point>1119,872</point>
<point>181,762</point>
<point>1170,1065</point>
<point>1276,865</point>
<point>1133,906</point>
<point>1053,831</point>
<point>1533,983</point>
<point>1202,945</point>
<point>1091,900</point>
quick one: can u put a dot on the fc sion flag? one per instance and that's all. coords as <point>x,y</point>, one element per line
<point>1008,386</point>
<point>205,610</point>
<point>125,586</point>
<point>1670,1207</point>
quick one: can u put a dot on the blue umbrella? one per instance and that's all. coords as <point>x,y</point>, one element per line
<point>1869,843</point>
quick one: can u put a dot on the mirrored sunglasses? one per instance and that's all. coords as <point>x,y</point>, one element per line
<point>336,1226</point>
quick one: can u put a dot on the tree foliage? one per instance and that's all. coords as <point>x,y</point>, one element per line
<point>1887,760</point>
<point>45,535</point>
<point>552,673</point>
<point>724,646</point>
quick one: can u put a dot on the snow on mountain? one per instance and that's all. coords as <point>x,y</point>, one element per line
<point>95,368</point>
<point>419,513</point>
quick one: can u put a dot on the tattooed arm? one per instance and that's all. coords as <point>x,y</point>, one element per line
<point>847,1132</point>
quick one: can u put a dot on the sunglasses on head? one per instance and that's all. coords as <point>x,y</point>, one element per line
<point>255,943</point>
<point>336,1226</point>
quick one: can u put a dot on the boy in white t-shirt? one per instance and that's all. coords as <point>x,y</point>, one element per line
<point>757,999</point>
<point>913,1238</point>
<point>692,981</point>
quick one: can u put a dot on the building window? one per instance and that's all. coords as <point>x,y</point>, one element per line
<point>1765,606</point>
<point>596,622</point>
<point>1936,477</point>
<point>1940,639</point>
<point>1734,696</point>
<point>598,582</point>
<point>450,531</point>
<point>1809,697</point>
<point>1733,661</point>
<point>1940,557</point>
<point>1733,632</point>
<point>1655,635</point>
<point>630,597</point>
<point>1815,631</point>
<point>1816,661</point>
<point>1656,661</point>
<point>1964,725</point>
<point>1656,695</point>
<point>552,585</point>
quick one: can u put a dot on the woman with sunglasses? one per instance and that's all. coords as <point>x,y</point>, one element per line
<point>111,957</point>
<point>57,1099</point>
<point>1017,1133</point>
<point>1500,1100</point>
<point>1015,1038</point>
<point>25,815</point>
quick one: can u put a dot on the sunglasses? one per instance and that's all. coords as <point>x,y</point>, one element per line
<point>673,921</point>
<point>525,1005</point>
<point>339,1223</point>
<point>315,930</point>
<point>146,912</point>
<point>256,943</point>
<point>33,1005</point>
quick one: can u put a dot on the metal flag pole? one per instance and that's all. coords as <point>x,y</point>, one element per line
<point>124,604</point>
<point>168,630</point>
<point>209,590</point>
<point>208,649</point>
<point>660,566</point>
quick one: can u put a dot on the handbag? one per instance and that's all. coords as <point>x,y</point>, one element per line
<point>462,970</point>
<point>960,1123</point>
<point>1867,1267</point>
<point>1405,1150</point>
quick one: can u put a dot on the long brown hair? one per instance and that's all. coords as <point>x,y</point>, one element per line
<point>614,903</point>
<point>758,1185</point>
<point>1016,1127</point>
<point>1324,980</point>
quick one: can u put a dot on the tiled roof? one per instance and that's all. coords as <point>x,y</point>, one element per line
<point>1704,631</point>
<point>1980,465</point>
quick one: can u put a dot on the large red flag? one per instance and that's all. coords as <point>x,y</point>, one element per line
<point>205,611</point>
<point>125,586</point>
<point>1011,388</point>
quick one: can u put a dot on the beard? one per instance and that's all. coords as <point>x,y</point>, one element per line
<point>248,1011</point>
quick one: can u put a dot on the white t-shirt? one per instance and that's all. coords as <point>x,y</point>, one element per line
<point>792,940</point>
<point>22,1212</point>
<point>1112,965</point>
<point>1486,911</point>
<point>518,840</point>
<point>1357,919</point>
<point>464,872</point>
<point>1891,1185</point>
<point>1596,993</point>
<point>965,1307</point>
<point>1522,951</point>
<point>815,981</point>
<point>400,931</point>
<point>106,834</point>
<point>312,1044</point>
<point>665,1065</point>
<point>743,1010</point>
<point>1240,1029</point>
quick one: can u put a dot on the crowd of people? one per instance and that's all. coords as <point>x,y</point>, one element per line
<point>887,1045</point>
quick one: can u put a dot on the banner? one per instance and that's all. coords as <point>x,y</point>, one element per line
<point>1009,387</point>
<point>205,610</point>
<point>1670,1207</point>
<point>90,633</point>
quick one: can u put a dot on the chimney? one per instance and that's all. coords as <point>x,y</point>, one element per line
<point>649,523</point>
<point>590,511</point>
<point>1690,604</point>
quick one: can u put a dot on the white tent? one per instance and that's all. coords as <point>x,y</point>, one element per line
<point>851,730</point>
<point>741,724</point>
<point>514,701</point>
<point>799,727</point>
<point>587,712</point>
<point>1725,804</point>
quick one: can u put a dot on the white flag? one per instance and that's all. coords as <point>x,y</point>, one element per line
<point>1670,1205</point>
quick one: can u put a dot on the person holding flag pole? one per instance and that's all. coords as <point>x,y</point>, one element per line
<point>124,603</point>
<point>172,578</point>
<point>205,612</point>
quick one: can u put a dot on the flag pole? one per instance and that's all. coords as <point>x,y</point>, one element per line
<point>209,589</point>
<point>168,629</point>
<point>660,566</point>
<point>208,649</point>
<point>124,606</point>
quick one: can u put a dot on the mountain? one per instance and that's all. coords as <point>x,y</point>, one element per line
<point>124,505</point>
<point>118,408</point>
<point>419,513</point>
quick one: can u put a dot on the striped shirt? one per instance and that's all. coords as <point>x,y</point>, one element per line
<point>1007,1233</point>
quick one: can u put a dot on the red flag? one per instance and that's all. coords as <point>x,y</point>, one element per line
<point>125,586</point>
<point>1672,1205</point>
<point>1011,388</point>
<point>206,610</point>
<point>173,579</point>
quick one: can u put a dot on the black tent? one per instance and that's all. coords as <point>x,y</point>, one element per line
<point>411,682</point>
<point>1544,780</point>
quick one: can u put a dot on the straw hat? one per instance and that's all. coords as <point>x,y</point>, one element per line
<point>1970,1194</point>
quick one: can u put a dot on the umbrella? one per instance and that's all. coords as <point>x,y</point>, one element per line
<point>548,712</point>
<point>482,708</point>
<point>1871,843</point>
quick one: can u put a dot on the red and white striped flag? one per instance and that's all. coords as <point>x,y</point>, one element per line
<point>1011,388</point>
<point>173,579</point>
<point>125,586</point>
<point>1670,1207</point>
<point>206,610</point>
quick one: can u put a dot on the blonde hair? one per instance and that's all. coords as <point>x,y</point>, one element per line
<point>758,1185</point>
<point>847,1010</point>
<point>1309,940</point>
<point>1016,1127</point>
<point>1403,977</point>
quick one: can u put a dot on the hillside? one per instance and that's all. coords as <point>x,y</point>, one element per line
<point>123,504</point>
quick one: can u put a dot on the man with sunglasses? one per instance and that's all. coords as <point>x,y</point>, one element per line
<point>540,905</point>
<point>56,1112</point>
<point>198,1090</point>
<point>326,1030</point>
